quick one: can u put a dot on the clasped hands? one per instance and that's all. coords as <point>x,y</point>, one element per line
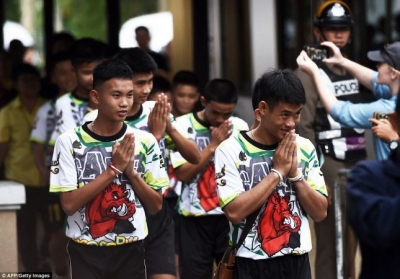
<point>285,157</point>
<point>123,154</point>
<point>159,121</point>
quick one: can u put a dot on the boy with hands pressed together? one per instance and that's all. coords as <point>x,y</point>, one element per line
<point>272,171</point>
<point>106,173</point>
<point>203,228</point>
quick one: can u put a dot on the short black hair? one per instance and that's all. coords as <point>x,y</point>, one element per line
<point>138,60</point>
<point>24,69</point>
<point>185,77</point>
<point>87,50</point>
<point>221,91</point>
<point>277,85</point>
<point>142,28</point>
<point>59,57</point>
<point>160,84</point>
<point>108,69</point>
<point>62,36</point>
<point>16,45</point>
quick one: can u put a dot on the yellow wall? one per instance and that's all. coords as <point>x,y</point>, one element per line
<point>182,45</point>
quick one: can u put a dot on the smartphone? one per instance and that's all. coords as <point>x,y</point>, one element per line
<point>316,52</point>
<point>381,115</point>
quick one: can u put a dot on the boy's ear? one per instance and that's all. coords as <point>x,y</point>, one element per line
<point>203,101</point>
<point>94,96</point>
<point>263,107</point>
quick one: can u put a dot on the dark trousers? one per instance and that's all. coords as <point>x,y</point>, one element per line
<point>96,262</point>
<point>284,267</point>
<point>203,240</point>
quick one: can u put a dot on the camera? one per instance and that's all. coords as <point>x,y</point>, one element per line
<point>381,115</point>
<point>316,52</point>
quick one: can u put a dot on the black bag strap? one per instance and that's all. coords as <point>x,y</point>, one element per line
<point>249,223</point>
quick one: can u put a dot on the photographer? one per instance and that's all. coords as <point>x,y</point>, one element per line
<point>351,115</point>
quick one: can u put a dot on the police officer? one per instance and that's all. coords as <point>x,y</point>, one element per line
<point>336,145</point>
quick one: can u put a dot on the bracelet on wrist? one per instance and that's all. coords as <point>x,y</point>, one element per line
<point>297,178</point>
<point>279,175</point>
<point>116,170</point>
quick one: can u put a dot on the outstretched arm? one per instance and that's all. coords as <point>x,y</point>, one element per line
<point>362,74</point>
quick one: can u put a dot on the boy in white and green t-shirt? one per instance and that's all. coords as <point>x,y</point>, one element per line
<point>106,172</point>
<point>272,170</point>
<point>203,228</point>
<point>155,117</point>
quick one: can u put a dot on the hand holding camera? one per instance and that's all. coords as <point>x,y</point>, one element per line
<point>382,128</point>
<point>326,52</point>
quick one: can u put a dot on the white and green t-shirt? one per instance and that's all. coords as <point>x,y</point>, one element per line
<point>281,227</point>
<point>116,215</point>
<point>199,196</point>
<point>45,123</point>
<point>70,113</point>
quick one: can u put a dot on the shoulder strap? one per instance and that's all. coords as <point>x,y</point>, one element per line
<point>249,223</point>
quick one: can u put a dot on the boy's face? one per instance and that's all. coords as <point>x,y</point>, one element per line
<point>142,85</point>
<point>216,113</point>
<point>114,98</point>
<point>184,98</point>
<point>28,85</point>
<point>64,76</point>
<point>84,75</point>
<point>280,120</point>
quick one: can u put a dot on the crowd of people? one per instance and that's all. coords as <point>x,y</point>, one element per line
<point>135,173</point>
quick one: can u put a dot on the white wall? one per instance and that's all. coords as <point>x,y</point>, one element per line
<point>264,53</point>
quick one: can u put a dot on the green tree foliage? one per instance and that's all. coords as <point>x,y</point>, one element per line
<point>84,18</point>
<point>88,18</point>
<point>12,10</point>
<point>130,8</point>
